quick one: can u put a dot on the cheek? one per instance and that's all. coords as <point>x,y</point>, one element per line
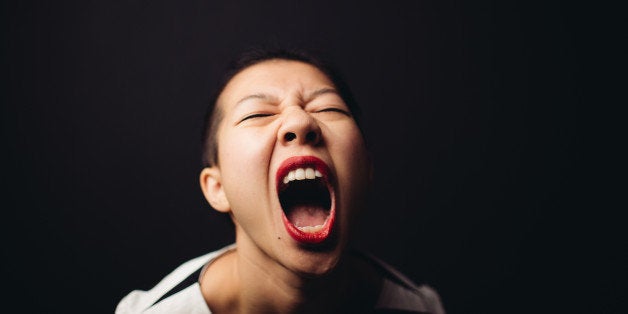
<point>351,145</point>
<point>244,158</point>
<point>352,163</point>
<point>236,146</point>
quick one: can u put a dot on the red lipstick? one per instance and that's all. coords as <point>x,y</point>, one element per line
<point>313,230</point>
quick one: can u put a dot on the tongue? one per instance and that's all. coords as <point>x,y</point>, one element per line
<point>307,215</point>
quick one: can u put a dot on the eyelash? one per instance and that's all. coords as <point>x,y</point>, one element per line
<point>261,115</point>
<point>334,110</point>
<point>256,115</point>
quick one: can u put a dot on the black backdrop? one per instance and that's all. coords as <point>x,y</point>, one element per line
<point>473,112</point>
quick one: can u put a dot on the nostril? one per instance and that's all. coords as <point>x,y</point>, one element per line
<point>311,136</point>
<point>289,136</point>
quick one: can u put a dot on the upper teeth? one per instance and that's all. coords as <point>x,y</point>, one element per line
<point>302,174</point>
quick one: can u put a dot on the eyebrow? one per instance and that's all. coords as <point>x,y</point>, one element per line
<point>316,93</point>
<point>310,97</point>
<point>255,96</point>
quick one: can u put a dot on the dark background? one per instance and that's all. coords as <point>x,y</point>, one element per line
<point>477,113</point>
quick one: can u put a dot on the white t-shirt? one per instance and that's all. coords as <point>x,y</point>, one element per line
<point>180,292</point>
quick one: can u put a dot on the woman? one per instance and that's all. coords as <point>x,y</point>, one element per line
<point>285,157</point>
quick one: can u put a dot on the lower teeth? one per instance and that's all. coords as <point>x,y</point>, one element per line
<point>311,229</point>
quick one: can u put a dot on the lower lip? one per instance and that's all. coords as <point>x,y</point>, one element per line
<point>310,237</point>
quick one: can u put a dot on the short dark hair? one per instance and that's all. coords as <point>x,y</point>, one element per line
<point>255,55</point>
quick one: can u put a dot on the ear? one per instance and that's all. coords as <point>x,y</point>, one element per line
<point>211,184</point>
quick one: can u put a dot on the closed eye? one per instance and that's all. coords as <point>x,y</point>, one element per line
<point>332,109</point>
<point>256,115</point>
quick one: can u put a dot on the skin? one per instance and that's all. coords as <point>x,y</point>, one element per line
<point>270,271</point>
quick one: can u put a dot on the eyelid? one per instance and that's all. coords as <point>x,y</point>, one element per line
<point>255,115</point>
<point>343,111</point>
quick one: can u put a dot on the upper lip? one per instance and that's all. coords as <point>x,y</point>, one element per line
<point>297,162</point>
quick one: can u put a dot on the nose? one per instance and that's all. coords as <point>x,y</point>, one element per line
<point>299,127</point>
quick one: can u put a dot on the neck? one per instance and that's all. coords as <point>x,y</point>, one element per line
<point>271,287</point>
<point>242,282</point>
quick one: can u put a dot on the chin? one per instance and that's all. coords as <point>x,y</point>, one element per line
<point>314,262</point>
<point>314,269</point>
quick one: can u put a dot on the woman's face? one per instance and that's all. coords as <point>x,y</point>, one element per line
<point>292,165</point>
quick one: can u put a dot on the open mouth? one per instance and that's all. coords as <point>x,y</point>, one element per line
<point>306,199</point>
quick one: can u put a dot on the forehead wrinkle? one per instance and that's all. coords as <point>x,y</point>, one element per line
<point>325,90</point>
<point>260,96</point>
<point>309,97</point>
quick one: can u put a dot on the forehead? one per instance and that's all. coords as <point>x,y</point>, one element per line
<point>275,77</point>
